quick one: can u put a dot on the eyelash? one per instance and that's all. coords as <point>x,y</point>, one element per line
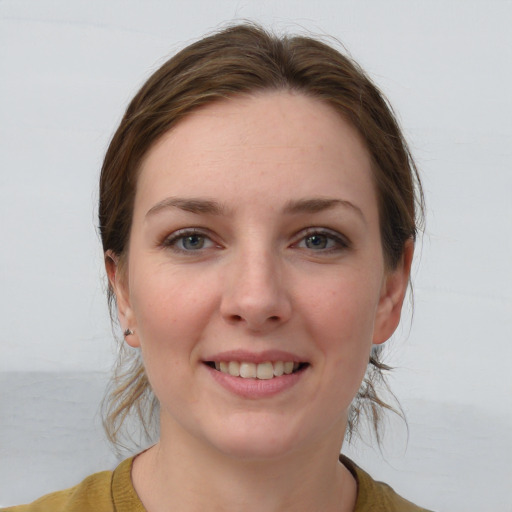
<point>340,242</point>
<point>173,240</point>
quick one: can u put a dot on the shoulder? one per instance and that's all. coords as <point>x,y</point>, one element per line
<point>94,493</point>
<point>373,495</point>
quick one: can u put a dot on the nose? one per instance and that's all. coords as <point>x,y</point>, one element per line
<point>255,294</point>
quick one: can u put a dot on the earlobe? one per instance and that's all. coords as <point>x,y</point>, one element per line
<point>118,285</point>
<point>392,296</point>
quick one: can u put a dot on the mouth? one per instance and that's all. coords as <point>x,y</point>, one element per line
<point>262,371</point>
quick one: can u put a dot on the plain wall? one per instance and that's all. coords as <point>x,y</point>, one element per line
<point>67,71</point>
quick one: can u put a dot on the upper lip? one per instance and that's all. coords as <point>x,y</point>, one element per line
<point>255,357</point>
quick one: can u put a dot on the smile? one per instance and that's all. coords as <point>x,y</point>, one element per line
<point>262,371</point>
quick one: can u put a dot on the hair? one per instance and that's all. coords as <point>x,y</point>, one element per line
<point>242,60</point>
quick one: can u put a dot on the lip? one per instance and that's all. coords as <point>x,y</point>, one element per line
<point>255,388</point>
<point>255,357</point>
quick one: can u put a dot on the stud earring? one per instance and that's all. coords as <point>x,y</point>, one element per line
<point>128,332</point>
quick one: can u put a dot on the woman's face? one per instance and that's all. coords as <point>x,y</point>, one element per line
<point>255,248</point>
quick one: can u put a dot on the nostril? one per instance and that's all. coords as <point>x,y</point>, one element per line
<point>240,318</point>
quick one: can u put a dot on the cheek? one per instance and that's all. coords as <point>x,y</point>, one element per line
<point>345,309</point>
<point>342,323</point>
<point>171,312</point>
<point>166,301</point>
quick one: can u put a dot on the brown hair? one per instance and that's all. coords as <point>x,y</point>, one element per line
<point>246,59</point>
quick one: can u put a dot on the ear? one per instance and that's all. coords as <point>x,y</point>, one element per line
<point>394,288</point>
<point>118,283</point>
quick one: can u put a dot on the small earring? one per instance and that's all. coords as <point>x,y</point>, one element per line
<point>128,332</point>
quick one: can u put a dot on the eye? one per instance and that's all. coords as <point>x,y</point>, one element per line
<point>188,241</point>
<point>321,240</point>
<point>318,241</point>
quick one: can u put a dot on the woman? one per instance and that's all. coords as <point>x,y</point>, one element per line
<point>258,218</point>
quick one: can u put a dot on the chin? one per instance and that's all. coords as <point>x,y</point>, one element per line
<point>257,440</point>
<point>246,447</point>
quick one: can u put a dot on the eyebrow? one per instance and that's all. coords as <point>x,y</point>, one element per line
<point>211,207</point>
<point>193,205</point>
<point>316,205</point>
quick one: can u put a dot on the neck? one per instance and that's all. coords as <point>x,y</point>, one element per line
<point>175,475</point>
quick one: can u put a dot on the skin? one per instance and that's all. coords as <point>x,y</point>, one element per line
<point>256,275</point>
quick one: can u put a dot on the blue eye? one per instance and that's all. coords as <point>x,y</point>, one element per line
<point>192,242</point>
<point>318,241</point>
<point>188,241</point>
<point>323,241</point>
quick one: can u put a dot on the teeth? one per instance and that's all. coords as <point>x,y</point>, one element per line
<point>234,368</point>
<point>248,370</point>
<point>265,371</point>
<point>278,368</point>
<point>262,371</point>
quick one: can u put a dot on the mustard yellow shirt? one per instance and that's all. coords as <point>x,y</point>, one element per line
<point>113,491</point>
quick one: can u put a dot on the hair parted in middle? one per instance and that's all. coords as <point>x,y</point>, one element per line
<point>243,60</point>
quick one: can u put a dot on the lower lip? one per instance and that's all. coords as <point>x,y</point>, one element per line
<point>256,388</point>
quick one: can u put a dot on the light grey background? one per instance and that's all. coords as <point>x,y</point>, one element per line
<point>67,71</point>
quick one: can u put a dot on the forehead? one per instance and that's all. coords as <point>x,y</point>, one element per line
<point>271,144</point>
